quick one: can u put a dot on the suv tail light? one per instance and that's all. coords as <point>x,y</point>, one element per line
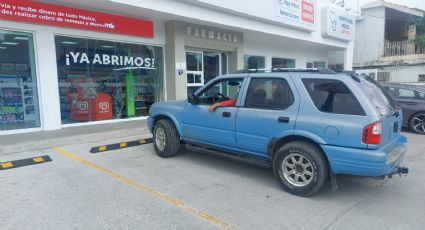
<point>372,133</point>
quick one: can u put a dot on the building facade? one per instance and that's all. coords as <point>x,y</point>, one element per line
<point>384,45</point>
<point>76,63</point>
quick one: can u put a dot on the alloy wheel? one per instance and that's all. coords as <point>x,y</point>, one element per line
<point>297,169</point>
<point>418,123</point>
<point>160,138</point>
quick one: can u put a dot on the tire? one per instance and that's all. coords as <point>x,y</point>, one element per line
<point>417,123</point>
<point>166,139</point>
<point>302,158</point>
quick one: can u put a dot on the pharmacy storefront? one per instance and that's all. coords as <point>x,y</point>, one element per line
<point>105,61</point>
<point>62,66</point>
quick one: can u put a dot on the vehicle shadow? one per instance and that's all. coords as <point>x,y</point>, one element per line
<point>347,185</point>
<point>407,130</point>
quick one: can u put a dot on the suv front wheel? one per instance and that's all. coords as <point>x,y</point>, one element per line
<point>166,139</point>
<point>301,168</point>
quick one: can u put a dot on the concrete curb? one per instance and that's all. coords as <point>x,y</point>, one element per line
<point>68,136</point>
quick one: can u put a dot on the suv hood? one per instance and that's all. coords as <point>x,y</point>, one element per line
<point>173,108</point>
<point>179,103</point>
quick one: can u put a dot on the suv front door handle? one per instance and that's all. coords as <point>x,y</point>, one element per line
<point>283,119</point>
<point>227,114</point>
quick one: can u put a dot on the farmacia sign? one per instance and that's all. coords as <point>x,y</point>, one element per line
<point>110,60</point>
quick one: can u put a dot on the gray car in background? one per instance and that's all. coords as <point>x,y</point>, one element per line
<point>412,101</point>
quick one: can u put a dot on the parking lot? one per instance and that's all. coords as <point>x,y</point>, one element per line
<point>132,188</point>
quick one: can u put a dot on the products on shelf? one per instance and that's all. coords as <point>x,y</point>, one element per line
<point>11,105</point>
<point>16,99</point>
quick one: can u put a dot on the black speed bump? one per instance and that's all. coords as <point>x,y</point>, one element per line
<point>24,162</point>
<point>120,145</point>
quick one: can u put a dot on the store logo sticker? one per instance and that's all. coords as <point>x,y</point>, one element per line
<point>104,105</point>
<point>82,105</point>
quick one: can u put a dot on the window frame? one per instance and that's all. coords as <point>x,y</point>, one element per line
<point>268,78</point>
<point>253,55</point>
<point>309,62</point>
<point>163,92</point>
<point>194,72</point>
<point>220,61</point>
<point>38,79</point>
<point>292,59</point>
<point>315,66</point>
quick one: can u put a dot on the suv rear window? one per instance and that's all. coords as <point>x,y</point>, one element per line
<point>379,97</point>
<point>332,96</point>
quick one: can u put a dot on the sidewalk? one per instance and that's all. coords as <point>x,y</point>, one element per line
<point>69,136</point>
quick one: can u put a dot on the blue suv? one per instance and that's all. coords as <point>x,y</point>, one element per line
<point>309,124</point>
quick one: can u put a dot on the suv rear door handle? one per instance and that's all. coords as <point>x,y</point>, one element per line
<point>227,114</point>
<point>283,119</point>
<point>412,103</point>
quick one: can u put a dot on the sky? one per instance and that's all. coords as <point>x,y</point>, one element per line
<point>420,4</point>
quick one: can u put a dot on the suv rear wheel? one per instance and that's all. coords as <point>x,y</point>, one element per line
<point>166,139</point>
<point>301,168</point>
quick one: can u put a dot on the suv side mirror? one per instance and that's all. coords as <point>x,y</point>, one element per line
<point>192,99</point>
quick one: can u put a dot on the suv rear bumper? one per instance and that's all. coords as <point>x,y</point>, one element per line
<point>367,162</point>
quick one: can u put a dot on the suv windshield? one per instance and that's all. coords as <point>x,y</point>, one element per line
<point>380,98</point>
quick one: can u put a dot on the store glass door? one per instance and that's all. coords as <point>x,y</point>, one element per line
<point>203,66</point>
<point>211,65</point>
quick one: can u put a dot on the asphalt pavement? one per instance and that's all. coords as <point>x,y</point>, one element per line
<point>132,188</point>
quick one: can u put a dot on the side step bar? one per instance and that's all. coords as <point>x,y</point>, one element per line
<point>234,156</point>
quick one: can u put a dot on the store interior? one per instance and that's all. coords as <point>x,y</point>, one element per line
<point>92,91</point>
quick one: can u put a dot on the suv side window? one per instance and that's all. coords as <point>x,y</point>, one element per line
<point>392,91</point>
<point>421,96</point>
<point>332,96</point>
<point>406,93</point>
<point>220,90</point>
<point>269,93</point>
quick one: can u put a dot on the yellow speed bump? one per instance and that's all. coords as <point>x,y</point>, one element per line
<point>38,159</point>
<point>24,162</point>
<point>6,165</point>
<point>102,148</point>
<point>120,145</point>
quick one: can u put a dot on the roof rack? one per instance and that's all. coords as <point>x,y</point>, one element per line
<point>310,70</point>
<point>351,73</point>
<point>346,71</point>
